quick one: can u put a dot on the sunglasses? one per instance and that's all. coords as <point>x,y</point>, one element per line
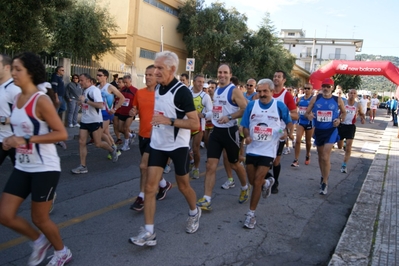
<point>326,86</point>
<point>99,75</point>
<point>250,85</point>
<point>306,88</point>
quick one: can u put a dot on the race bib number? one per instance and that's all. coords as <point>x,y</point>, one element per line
<point>302,110</point>
<point>324,116</point>
<point>126,102</point>
<point>262,133</point>
<point>350,110</point>
<point>85,108</point>
<point>24,154</point>
<point>217,112</point>
<point>158,126</point>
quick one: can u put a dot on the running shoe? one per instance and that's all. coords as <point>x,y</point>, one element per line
<point>202,145</point>
<point>275,189</point>
<point>162,191</point>
<point>138,205</point>
<point>125,147</point>
<point>343,169</point>
<point>39,252</point>
<point>190,168</point>
<point>60,261</point>
<point>193,222</point>
<point>267,190</point>
<point>195,173</point>
<point>167,169</point>
<point>244,195</point>
<point>76,125</point>
<point>295,163</point>
<point>286,150</point>
<point>250,222</point>
<point>132,136</point>
<point>228,184</point>
<point>114,156</point>
<point>52,202</point>
<point>307,160</point>
<point>204,204</point>
<point>80,170</point>
<point>118,152</point>
<point>323,189</point>
<point>118,142</point>
<point>144,238</point>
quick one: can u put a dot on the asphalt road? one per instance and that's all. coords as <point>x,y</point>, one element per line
<point>297,226</point>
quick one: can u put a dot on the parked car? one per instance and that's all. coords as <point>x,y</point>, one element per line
<point>383,105</point>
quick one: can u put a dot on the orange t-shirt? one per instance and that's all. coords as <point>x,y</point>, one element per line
<point>144,101</point>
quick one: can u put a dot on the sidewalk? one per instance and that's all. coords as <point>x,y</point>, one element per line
<point>370,236</point>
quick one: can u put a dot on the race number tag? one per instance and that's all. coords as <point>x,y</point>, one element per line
<point>302,110</point>
<point>126,102</point>
<point>350,109</point>
<point>262,133</point>
<point>24,153</point>
<point>324,116</point>
<point>85,108</point>
<point>158,126</point>
<point>217,111</point>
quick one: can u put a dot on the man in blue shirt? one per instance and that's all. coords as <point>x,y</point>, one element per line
<point>393,106</point>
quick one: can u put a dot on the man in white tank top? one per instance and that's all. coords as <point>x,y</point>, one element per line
<point>347,128</point>
<point>174,117</point>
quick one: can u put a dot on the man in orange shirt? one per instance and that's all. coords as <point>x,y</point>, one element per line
<point>143,104</point>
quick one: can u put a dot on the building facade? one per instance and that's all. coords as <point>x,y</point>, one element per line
<point>144,27</point>
<point>312,53</point>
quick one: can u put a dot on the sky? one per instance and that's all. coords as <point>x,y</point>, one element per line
<point>376,22</point>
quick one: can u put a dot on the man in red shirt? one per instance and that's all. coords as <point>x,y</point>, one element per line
<point>125,120</point>
<point>282,95</point>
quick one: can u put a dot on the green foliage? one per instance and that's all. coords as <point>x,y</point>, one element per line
<point>80,28</point>
<point>347,82</point>
<point>84,31</point>
<point>385,98</point>
<point>377,83</point>
<point>215,35</point>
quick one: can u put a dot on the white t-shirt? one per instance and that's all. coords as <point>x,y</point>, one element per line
<point>8,92</point>
<point>374,102</point>
<point>91,114</point>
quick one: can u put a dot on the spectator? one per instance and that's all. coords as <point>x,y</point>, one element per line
<point>115,81</point>
<point>72,93</point>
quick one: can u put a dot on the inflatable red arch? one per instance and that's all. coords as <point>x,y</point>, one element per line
<point>374,68</point>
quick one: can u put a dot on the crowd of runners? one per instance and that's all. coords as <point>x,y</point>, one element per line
<point>251,126</point>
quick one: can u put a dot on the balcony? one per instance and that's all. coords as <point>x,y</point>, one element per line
<point>307,55</point>
<point>337,56</point>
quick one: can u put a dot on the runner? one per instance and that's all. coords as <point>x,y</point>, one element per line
<point>174,117</point>
<point>262,133</point>
<point>374,102</point>
<point>36,128</point>
<point>305,126</point>
<point>347,128</point>
<point>327,111</point>
<point>143,104</point>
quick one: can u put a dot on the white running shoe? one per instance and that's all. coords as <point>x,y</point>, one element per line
<point>144,238</point>
<point>228,184</point>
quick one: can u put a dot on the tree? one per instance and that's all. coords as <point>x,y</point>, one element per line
<point>27,24</point>
<point>84,31</point>
<point>347,82</point>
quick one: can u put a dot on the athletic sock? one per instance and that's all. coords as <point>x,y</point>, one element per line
<point>149,228</point>
<point>61,252</point>
<point>208,199</point>
<point>276,171</point>
<point>231,179</point>
<point>193,212</point>
<point>162,183</point>
<point>244,187</point>
<point>251,213</point>
<point>141,195</point>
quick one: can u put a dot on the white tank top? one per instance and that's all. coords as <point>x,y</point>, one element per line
<point>265,128</point>
<point>35,157</point>
<point>351,110</point>
<point>222,107</point>
<point>165,137</point>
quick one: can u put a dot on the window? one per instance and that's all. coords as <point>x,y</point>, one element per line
<point>147,54</point>
<point>291,33</point>
<point>162,6</point>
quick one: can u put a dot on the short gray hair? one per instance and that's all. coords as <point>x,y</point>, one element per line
<point>268,82</point>
<point>171,59</point>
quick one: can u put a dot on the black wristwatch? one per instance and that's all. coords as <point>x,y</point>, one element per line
<point>86,100</point>
<point>229,117</point>
<point>3,120</point>
<point>27,140</point>
<point>172,121</point>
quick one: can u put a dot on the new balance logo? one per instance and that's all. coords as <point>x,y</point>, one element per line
<point>342,67</point>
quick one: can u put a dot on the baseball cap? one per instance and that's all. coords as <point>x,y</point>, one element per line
<point>206,85</point>
<point>328,81</point>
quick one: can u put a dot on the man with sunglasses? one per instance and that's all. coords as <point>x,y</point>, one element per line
<point>327,111</point>
<point>251,93</point>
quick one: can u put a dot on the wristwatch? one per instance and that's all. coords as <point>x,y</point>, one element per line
<point>86,100</point>
<point>27,140</point>
<point>229,117</point>
<point>172,121</point>
<point>3,120</point>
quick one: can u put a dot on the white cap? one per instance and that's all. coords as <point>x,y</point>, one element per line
<point>43,86</point>
<point>206,85</point>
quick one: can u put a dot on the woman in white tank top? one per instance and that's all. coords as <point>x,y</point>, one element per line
<point>36,127</point>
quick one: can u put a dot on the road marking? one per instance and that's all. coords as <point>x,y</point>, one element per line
<point>369,147</point>
<point>82,218</point>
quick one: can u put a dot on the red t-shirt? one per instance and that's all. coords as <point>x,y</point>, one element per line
<point>129,93</point>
